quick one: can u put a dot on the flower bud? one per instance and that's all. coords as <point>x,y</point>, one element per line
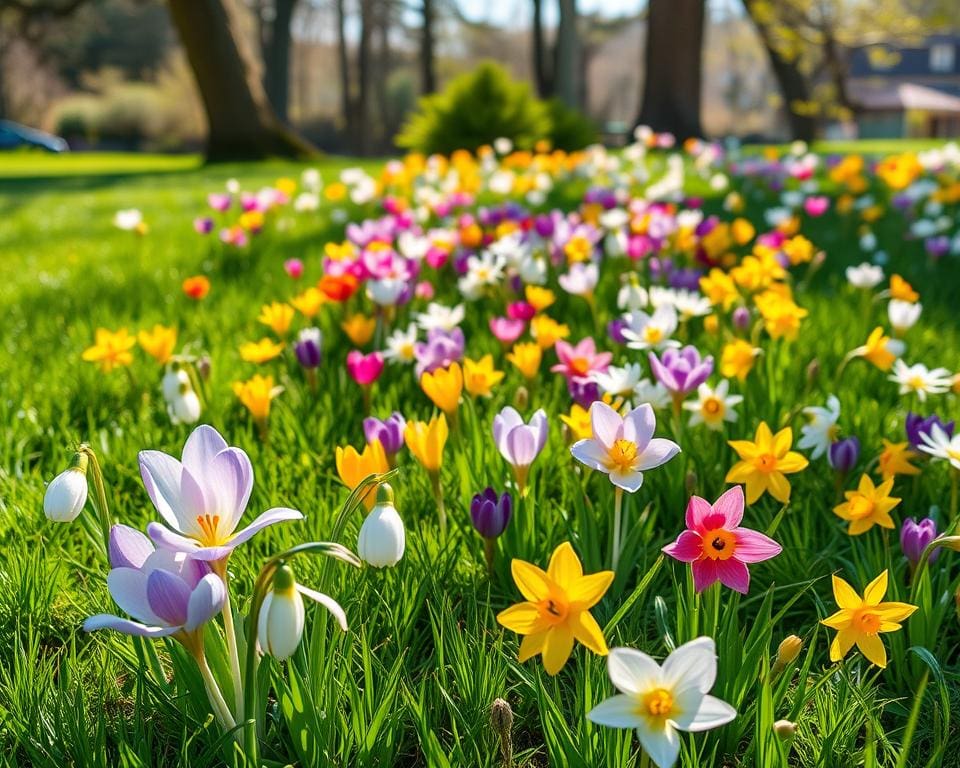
<point>308,347</point>
<point>501,721</point>
<point>785,729</point>
<point>741,318</point>
<point>914,538</point>
<point>521,398</point>
<point>490,513</point>
<point>843,454</point>
<point>67,492</point>
<point>788,650</point>
<point>711,324</point>
<point>280,624</point>
<point>382,539</point>
<point>813,371</point>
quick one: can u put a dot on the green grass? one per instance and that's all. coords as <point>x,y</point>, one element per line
<point>412,682</point>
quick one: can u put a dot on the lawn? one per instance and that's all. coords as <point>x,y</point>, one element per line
<point>413,680</point>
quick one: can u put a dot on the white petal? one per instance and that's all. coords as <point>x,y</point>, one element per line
<point>618,711</point>
<point>692,663</point>
<point>713,713</point>
<point>327,602</point>
<point>591,453</point>
<point>632,671</point>
<point>663,746</point>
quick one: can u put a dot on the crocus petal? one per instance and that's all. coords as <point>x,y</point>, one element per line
<point>128,588</point>
<point>730,505</point>
<point>713,712</point>
<point>268,518</point>
<point>754,547</point>
<point>196,501</point>
<point>658,451</point>
<point>687,548</point>
<point>639,425</point>
<point>734,574</point>
<point>327,602</point>
<point>616,712</point>
<point>705,574</point>
<point>693,663</point>
<point>591,453</point>
<point>161,477</point>
<point>168,596</point>
<point>630,481</point>
<point>106,621</point>
<point>164,537</point>
<point>661,744</point>
<point>503,423</point>
<point>229,480</point>
<point>203,444</point>
<point>129,548</point>
<point>632,671</point>
<point>205,601</point>
<point>521,445</point>
<point>606,423</point>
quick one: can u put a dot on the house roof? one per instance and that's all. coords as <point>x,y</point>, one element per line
<point>896,61</point>
<point>906,96</point>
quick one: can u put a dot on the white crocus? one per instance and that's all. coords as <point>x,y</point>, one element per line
<point>903,314</point>
<point>713,406</point>
<point>691,304</point>
<point>940,445</point>
<point>821,430</point>
<point>386,292</point>
<point>580,279</point>
<point>917,378</point>
<point>440,316</point>
<point>865,276</point>
<point>652,392</point>
<point>66,494</point>
<point>618,382</point>
<point>382,537</point>
<point>400,345</point>
<point>658,701</point>
<point>645,331</point>
<point>632,296</point>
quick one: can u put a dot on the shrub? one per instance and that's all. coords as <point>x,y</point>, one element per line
<point>569,128</point>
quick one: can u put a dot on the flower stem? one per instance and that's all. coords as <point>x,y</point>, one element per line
<point>220,708</point>
<point>441,510</point>
<point>100,497</point>
<point>617,513</point>
<point>231,634</point>
<point>954,482</point>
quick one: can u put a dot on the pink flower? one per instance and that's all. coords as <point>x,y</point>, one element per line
<point>294,268</point>
<point>505,329</point>
<point>816,205</point>
<point>364,369</point>
<point>521,310</point>
<point>581,360</point>
<point>715,545</point>
<point>424,290</point>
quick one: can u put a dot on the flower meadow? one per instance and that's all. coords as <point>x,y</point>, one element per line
<point>642,457</point>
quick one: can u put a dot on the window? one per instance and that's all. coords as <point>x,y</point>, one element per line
<point>941,57</point>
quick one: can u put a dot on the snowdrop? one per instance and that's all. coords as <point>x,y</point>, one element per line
<point>821,430</point>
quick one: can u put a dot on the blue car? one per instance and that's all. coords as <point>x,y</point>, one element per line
<point>13,136</point>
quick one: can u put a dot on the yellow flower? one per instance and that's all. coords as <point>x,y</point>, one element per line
<point>260,351</point>
<point>798,249</point>
<point>742,231</point>
<point>277,316</point>
<point>479,376</point>
<point>335,192</point>
<point>895,460</point>
<point>286,186</point>
<point>526,357</point>
<point>737,359</point>
<point>758,271</point>
<point>111,349</point>
<point>252,221</point>
<point>444,386</point>
<point>548,331</point>
<point>577,248</point>
<point>902,290</point>
<point>781,317</point>
<point>764,462</point>
<point>158,342</point>
<point>579,422</point>
<point>354,467</point>
<point>719,288</point>
<point>309,302</point>
<point>426,441</point>
<point>861,620</point>
<point>539,298</point>
<point>359,328</point>
<point>256,395</point>
<point>867,506</point>
<point>877,350</point>
<point>556,612</point>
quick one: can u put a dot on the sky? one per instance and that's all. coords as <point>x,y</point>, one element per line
<point>504,12</point>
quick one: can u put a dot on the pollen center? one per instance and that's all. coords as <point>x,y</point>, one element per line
<point>580,366</point>
<point>860,507</point>
<point>622,455</point>
<point>719,544</point>
<point>210,528</point>
<point>554,610</point>
<point>766,462</point>
<point>867,622</point>
<point>712,407</point>
<point>652,334</point>
<point>658,703</point>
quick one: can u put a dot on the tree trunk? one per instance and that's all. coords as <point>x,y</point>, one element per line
<point>383,74</point>
<point>276,58</point>
<point>567,73</point>
<point>241,123</point>
<point>671,93</point>
<point>346,97</point>
<point>541,72</point>
<point>793,85</point>
<point>428,74</point>
<point>362,106</point>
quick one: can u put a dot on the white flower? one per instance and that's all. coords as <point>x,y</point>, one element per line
<point>533,270</point>
<point>865,276</point>
<point>67,493</point>
<point>503,145</point>
<point>613,219</point>
<point>482,271</point>
<point>312,180</point>
<point>400,345</point>
<point>903,314</point>
<point>713,406</point>
<point>382,538</point>
<point>306,201</point>
<point>412,245</point>
<point>580,279</point>
<point>868,241</point>
<point>645,331</point>
<point>440,316</point>
<point>821,430</point>
<point>659,700</point>
<point>183,405</point>
<point>618,382</point>
<point>128,219</point>
<point>654,393</point>
<point>918,379</point>
<point>386,291</point>
<point>939,444</point>
<point>632,296</point>
<point>691,304</point>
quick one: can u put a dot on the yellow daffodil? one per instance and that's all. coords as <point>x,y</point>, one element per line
<point>867,506</point>
<point>578,422</point>
<point>277,316</point>
<point>548,331</point>
<point>557,608</point>
<point>335,192</point>
<point>359,328</point>
<point>758,271</point>
<point>737,359</point>
<point>525,357</point>
<point>158,342</point>
<point>111,349</point>
<point>764,462</point>
<point>354,467</point>
<point>798,250</point>
<point>742,231</point>
<point>426,441</point>
<point>479,376</point>
<point>260,351</point>
<point>252,221</point>
<point>444,386</point>
<point>286,186</point>
<point>877,350</point>
<point>309,302</point>
<point>539,298</point>
<point>895,460</point>
<point>256,394</point>
<point>781,316</point>
<point>719,288</point>
<point>860,621</point>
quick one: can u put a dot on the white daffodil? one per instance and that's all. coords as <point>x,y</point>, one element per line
<point>440,316</point>
<point>645,331</point>
<point>821,430</point>
<point>940,445</point>
<point>618,382</point>
<point>713,406</point>
<point>400,345</point>
<point>865,276</point>
<point>917,378</point>
<point>903,314</point>
<point>658,701</point>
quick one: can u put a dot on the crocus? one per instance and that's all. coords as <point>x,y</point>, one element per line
<point>490,515</point>
<point>660,700</point>
<point>426,441</point>
<point>388,431</point>
<point>294,268</point>
<point>843,454</point>
<point>681,371</point>
<point>444,386</point>
<point>111,349</point>
<point>202,497</point>
<point>353,466</point>
<point>308,348</point>
<point>256,394</point>
<point>441,349</point>
<point>580,360</point>
<point>917,426</point>
<point>715,545</point>
<point>364,369</point>
<point>915,537</point>
<point>506,330</point>
<point>520,443</point>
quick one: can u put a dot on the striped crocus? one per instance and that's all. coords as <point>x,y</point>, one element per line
<point>520,443</point>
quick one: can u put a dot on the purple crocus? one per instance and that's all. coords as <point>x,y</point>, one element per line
<point>165,591</point>
<point>308,347</point>
<point>440,350</point>
<point>491,513</point>
<point>681,371</point>
<point>520,443</point>
<point>917,426</point>
<point>202,497</point>
<point>843,454</point>
<point>914,538</point>
<point>203,225</point>
<point>388,431</point>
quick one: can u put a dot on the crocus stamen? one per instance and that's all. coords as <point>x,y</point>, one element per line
<point>658,703</point>
<point>209,524</point>
<point>623,454</point>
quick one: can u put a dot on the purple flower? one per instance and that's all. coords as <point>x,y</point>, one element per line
<point>165,591</point>
<point>615,330</point>
<point>741,318</point>
<point>843,454</point>
<point>681,371</point>
<point>937,247</point>
<point>308,347</point>
<point>491,513</point>
<point>440,350</point>
<point>917,426</point>
<point>203,225</point>
<point>202,498</point>
<point>388,431</point>
<point>520,443</point>
<point>914,538</point>
<point>583,390</point>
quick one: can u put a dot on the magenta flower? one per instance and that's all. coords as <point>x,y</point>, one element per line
<point>364,369</point>
<point>202,497</point>
<point>816,205</point>
<point>507,330</point>
<point>294,268</point>
<point>580,360</point>
<point>715,545</point>
<point>681,370</point>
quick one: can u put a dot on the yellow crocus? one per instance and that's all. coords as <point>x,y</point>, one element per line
<point>277,316</point>
<point>111,349</point>
<point>159,342</point>
<point>479,376</point>
<point>260,351</point>
<point>539,298</point>
<point>578,422</point>
<point>359,328</point>
<point>256,394</point>
<point>444,387</point>
<point>548,331</point>
<point>719,288</point>
<point>526,357</point>
<point>354,467</point>
<point>309,302</point>
<point>877,350</point>
<point>426,441</point>
<point>737,359</point>
<point>764,463</point>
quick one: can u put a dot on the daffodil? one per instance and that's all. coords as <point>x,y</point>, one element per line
<point>354,467</point>
<point>309,302</point>
<point>880,350</point>
<point>277,316</point>
<point>895,460</point>
<point>539,298</point>
<point>556,612</point>
<point>548,331</point>
<point>480,376</point>
<point>444,387</point>
<point>159,342</point>
<point>860,621</point>
<point>111,349</point>
<point>764,462</point>
<point>867,506</point>
<point>737,359</point>
<point>260,351</point>
<point>578,422</point>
